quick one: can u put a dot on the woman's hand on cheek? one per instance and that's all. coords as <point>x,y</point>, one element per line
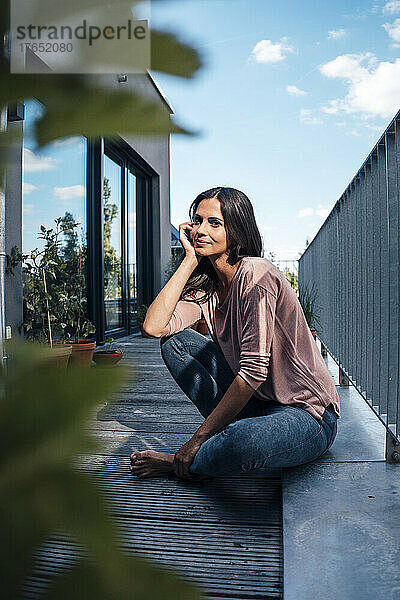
<point>184,457</point>
<point>185,238</point>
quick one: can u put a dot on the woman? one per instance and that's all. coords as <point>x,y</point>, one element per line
<point>261,383</point>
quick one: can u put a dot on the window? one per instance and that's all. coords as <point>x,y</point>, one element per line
<point>112,234</point>
<point>53,188</point>
<point>53,183</point>
<point>132,259</point>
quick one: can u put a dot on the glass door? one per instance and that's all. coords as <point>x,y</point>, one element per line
<point>132,287</point>
<point>112,244</point>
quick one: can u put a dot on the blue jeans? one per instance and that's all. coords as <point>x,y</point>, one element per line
<point>263,435</point>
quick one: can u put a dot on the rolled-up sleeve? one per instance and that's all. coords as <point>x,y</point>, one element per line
<point>185,314</point>
<point>258,320</point>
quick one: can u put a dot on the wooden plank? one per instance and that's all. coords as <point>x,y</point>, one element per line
<point>222,534</point>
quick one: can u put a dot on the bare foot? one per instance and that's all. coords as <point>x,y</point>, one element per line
<point>151,464</point>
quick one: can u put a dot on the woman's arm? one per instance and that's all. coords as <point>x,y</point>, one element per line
<point>160,311</point>
<point>233,401</point>
<point>258,318</point>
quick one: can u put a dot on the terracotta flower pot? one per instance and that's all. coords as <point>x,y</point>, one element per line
<point>58,355</point>
<point>107,358</point>
<point>82,353</point>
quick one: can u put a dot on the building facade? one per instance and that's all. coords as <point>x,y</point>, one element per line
<point>117,194</point>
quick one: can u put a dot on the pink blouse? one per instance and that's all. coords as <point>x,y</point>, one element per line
<point>263,334</point>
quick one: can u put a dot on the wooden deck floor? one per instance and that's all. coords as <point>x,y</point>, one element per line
<point>223,535</point>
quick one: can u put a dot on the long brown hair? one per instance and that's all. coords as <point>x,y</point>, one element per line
<point>243,236</point>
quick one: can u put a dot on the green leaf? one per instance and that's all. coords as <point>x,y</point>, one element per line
<point>43,414</point>
<point>169,55</point>
<point>135,579</point>
<point>101,112</point>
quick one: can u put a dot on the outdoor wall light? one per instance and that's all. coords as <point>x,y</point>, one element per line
<point>16,111</point>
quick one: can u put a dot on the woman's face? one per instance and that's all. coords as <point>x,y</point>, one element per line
<point>209,234</point>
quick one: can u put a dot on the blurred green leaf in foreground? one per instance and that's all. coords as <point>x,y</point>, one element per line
<point>83,104</point>
<point>42,409</point>
<point>43,412</point>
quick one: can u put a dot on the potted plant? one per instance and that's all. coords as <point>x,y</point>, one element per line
<point>42,294</point>
<point>54,306</point>
<point>82,348</point>
<point>76,327</point>
<point>107,355</point>
<point>141,315</point>
<point>307,298</point>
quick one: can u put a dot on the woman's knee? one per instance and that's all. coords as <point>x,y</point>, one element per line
<point>221,455</point>
<point>185,341</point>
<point>172,344</point>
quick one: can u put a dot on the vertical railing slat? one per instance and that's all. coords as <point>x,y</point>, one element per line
<point>393,209</point>
<point>384,279</point>
<point>354,263</point>
<point>369,284</point>
<point>375,262</point>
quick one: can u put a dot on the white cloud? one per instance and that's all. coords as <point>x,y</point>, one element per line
<point>67,141</point>
<point>336,34</point>
<point>307,117</point>
<point>373,86</point>
<point>393,30</point>
<point>27,188</point>
<point>28,209</point>
<point>266,52</point>
<point>305,212</point>
<point>32,163</point>
<point>378,128</point>
<point>323,211</point>
<point>268,227</point>
<point>348,66</point>
<point>320,211</point>
<point>392,7</point>
<point>69,192</point>
<point>293,90</point>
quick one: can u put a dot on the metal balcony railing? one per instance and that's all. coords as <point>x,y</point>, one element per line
<point>353,262</point>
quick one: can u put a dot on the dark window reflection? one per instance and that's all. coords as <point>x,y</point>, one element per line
<point>112,244</point>
<point>132,262</point>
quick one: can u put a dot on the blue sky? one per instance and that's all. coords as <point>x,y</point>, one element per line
<point>54,181</point>
<point>292,99</point>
